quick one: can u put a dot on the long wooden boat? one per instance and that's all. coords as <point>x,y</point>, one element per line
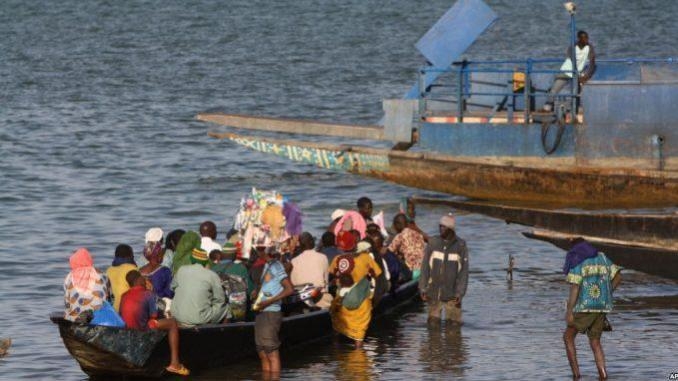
<point>106,351</point>
<point>556,181</point>
<point>644,242</point>
<point>652,259</point>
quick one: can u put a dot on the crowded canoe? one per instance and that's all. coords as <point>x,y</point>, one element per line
<point>265,267</point>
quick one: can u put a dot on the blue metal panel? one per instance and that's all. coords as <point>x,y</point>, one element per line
<point>430,77</point>
<point>616,72</point>
<point>477,139</point>
<point>449,38</point>
<point>622,120</point>
<point>459,27</point>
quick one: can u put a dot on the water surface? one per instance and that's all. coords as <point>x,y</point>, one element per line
<point>98,143</point>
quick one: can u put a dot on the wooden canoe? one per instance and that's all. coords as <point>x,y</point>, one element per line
<point>106,351</point>
<point>650,259</point>
<point>554,181</point>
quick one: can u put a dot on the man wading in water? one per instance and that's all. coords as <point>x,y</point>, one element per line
<point>592,277</point>
<point>444,273</point>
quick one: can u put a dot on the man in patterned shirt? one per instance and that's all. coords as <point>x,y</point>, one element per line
<point>593,278</point>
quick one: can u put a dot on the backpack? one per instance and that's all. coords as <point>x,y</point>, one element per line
<point>235,288</point>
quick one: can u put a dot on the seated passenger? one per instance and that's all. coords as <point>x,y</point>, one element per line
<point>365,208</point>
<point>311,267</point>
<point>152,236</point>
<point>235,281</point>
<point>85,288</point>
<point>159,276</point>
<point>182,255</point>
<point>336,216</point>
<point>139,311</point>
<point>198,295</point>
<point>329,247</point>
<point>408,244</point>
<point>122,264</point>
<point>223,262</point>
<point>379,253</point>
<point>208,233</point>
<point>171,243</point>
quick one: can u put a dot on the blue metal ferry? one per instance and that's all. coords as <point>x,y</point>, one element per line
<point>477,129</point>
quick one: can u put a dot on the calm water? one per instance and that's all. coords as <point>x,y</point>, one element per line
<point>98,143</point>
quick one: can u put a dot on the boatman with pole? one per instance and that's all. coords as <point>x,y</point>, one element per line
<point>444,273</point>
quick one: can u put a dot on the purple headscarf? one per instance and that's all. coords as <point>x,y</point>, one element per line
<point>578,254</point>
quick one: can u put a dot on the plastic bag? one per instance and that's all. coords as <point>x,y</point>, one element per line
<point>107,316</point>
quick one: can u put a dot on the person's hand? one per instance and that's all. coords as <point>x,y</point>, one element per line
<point>569,318</point>
<point>263,304</point>
<point>424,297</point>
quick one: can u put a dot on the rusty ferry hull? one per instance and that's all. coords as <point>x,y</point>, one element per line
<point>554,181</point>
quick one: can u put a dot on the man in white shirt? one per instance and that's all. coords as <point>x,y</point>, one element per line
<point>586,66</point>
<point>208,231</point>
<point>311,267</point>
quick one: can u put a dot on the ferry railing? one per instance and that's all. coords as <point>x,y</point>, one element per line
<point>464,69</point>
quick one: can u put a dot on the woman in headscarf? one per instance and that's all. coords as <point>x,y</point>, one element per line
<point>351,310</point>
<point>171,242</point>
<point>159,276</point>
<point>182,255</point>
<point>85,288</point>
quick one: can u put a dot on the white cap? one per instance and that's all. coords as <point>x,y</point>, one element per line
<point>154,235</point>
<point>363,247</point>
<point>338,213</point>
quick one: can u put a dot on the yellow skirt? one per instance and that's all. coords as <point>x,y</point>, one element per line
<point>351,323</point>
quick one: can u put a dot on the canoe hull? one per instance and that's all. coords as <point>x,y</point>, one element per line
<point>208,346</point>
<point>552,181</point>
<point>651,260</point>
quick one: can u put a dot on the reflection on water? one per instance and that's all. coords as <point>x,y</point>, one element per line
<point>354,365</point>
<point>445,351</point>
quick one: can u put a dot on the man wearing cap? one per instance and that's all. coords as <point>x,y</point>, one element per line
<point>336,216</point>
<point>198,295</point>
<point>444,273</point>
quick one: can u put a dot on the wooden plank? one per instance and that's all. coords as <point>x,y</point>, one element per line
<point>642,229</point>
<point>649,259</point>
<point>293,126</point>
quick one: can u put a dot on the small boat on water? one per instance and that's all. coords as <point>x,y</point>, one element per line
<point>108,351</point>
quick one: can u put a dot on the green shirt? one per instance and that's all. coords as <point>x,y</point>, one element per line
<point>233,268</point>
<point>198,296</point>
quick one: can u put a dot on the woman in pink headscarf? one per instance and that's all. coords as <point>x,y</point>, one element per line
<point>351,220</point>
<point>85,288</point>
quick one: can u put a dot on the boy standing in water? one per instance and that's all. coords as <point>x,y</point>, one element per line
<point>274,286</point>
<point>592,277</point>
